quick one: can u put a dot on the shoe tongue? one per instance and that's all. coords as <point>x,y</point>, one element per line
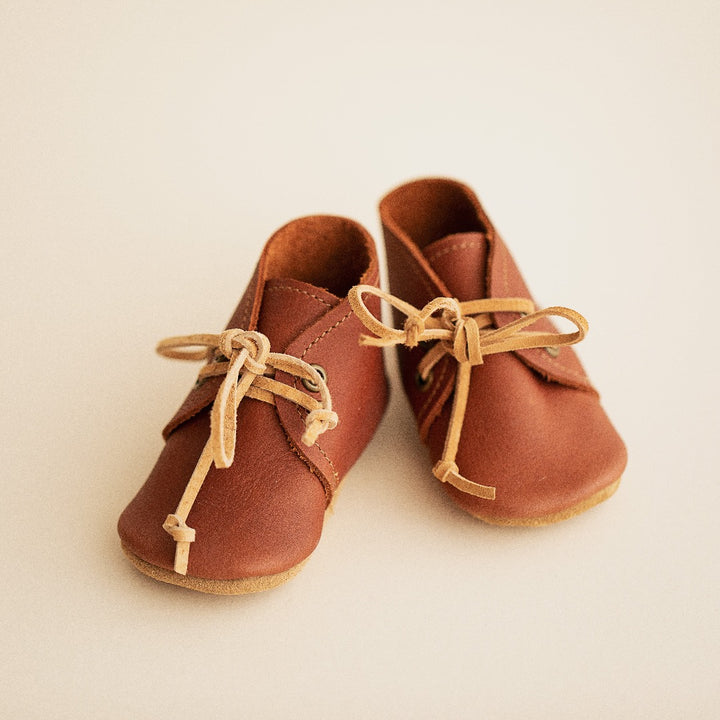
<point>460,261</point>
<point>288,307</point>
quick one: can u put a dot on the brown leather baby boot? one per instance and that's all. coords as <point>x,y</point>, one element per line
<point>283,406</point>
<point>514,427</point>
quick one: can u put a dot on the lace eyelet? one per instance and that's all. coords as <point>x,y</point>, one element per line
<point>423,384</point>
<point>309,384</point>
<point>552,351</point>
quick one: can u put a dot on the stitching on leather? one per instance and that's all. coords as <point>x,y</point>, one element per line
<point>307,349</point>
<point>330,462</point>
<point>316,340</point>
<point>297,290</point>
<point>329,330</point>
<point>317,445</point>
<point>444,251</point>
<point>328,490</point>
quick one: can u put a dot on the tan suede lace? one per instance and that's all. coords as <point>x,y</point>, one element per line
<point>244,358</point>
<point>463,330</point>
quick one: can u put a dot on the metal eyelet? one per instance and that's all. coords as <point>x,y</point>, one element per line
<point>309,384</point>
<point>552,351</point>
<point>200,382</point>
<point>423,384</point>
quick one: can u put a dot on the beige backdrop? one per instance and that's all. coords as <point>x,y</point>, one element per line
<point>148,149</point>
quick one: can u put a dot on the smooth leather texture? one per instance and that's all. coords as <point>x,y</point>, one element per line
<point>534,427</point>
<point>264,514</point>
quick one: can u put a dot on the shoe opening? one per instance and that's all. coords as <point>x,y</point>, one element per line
<point>428,210</point>
<point>324,251</point>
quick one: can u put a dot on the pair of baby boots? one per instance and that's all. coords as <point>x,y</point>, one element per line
<point>292,391</point>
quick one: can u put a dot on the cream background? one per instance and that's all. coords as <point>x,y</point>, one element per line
<point>147,150</point>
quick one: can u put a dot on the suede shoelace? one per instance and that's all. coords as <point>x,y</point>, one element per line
<point>464,331</point>
<point>244,358</point>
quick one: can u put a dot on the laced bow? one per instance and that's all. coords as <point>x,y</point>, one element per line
<point>463,330</point>
<point>244,358</point>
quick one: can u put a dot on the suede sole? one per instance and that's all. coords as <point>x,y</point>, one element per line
<point>565,514</point>
<point>241,586</point>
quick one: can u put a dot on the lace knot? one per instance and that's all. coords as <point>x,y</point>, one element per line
<point>466,346</point>
<point>316,423</point>
<point>232,342</point>
<point>444,469</point>
<point>178,529</point>
<point>414,327</point>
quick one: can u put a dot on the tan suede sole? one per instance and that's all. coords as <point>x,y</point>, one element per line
<point>241,586</point>
<point>586,504</point>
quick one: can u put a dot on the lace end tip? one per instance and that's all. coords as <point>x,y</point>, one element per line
<point>450,474</point>
<point>488,492</point>
<point>308,439</point>
<point>317,422</point>
<point>182,551</point>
